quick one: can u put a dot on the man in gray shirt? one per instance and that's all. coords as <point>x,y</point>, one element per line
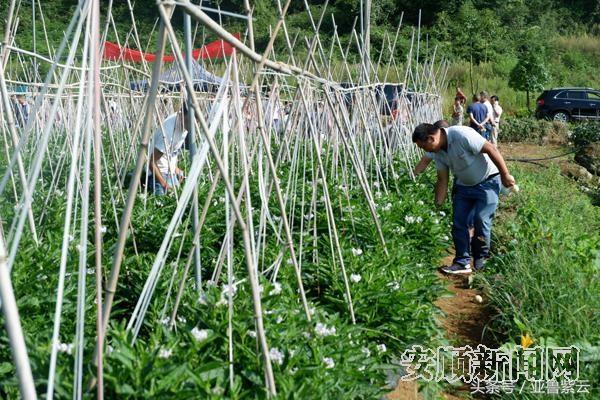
<point>478,168</point>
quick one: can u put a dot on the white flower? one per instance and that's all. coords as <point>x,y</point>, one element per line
<point>279,319</point>
<point>276,289</point>
<point>376,184</point>
<point>109,349</point>
<point>165,353</point>
<point>366,351</point>
<point>356,252</point>
<point>396,176</point>
<point>306,335</point>
<point>378,194</point>
<point>65,348</point>
<point>276,355</point>
<point>252,334</point>
<point>445,238</point>
<point>381,348</point>
<point>420,203</point>
<point>181,319</point>
<point>399,229</point>
<point>308,216</point>
<point>90,271</point>
<point>419,220</point>
<point>436,221</point>
<point>165,321</point>
<point>443,214</point>
<point>386,207</point>
<point>419,265</point>
<point>323,330</point>
<point>355,278</point>
<point>328,362</point>
<point>361,368</point>
<point>103,229</point>
<point>202,299</point>
<point>200,334</point>
<point>410,219</point>
<point>312,311</point>
<point>221,199</point>
<point>394,285</point>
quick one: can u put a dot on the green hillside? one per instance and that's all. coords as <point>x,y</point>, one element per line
<point>484,40</point>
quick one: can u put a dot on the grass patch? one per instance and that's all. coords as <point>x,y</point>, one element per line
<point>545,277</point>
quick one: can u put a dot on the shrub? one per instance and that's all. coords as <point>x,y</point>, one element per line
<point>586,133</point>
<point>533,130</point>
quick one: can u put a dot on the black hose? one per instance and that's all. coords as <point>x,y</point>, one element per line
<point>539,159</point>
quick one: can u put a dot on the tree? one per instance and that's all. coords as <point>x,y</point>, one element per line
<point>530,72</point>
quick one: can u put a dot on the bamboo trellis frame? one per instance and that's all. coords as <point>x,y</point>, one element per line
<point>86,121</point>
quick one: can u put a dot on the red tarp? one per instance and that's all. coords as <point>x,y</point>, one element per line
<point>216,49</point>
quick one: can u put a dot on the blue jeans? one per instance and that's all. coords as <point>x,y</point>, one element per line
<point>488,131</point>
<point>474,204</point>
<point>157,188</point>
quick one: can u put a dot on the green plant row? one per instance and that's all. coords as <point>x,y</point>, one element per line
<point>392,296</point>
<point>545,275</point>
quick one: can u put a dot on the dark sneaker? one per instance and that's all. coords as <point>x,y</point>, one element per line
<point>479,263</point>
<point>457,269</point>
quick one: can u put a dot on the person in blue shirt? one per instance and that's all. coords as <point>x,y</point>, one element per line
<point>478,116</point>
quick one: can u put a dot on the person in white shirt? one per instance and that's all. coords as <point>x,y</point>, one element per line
<point>497,113</point>
<point>167,143</point>
<point>489,121</point>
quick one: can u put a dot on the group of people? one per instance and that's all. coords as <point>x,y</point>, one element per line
<point>479,172</point>
<point>484,114</point>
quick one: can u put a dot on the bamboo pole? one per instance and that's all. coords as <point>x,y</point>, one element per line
<point>12,322</point>
<point>96,91</point>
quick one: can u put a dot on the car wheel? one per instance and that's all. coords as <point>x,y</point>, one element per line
<point>561,116</point>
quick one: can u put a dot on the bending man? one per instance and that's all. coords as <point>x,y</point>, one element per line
<point>167,143</point>
<point>478,168</point>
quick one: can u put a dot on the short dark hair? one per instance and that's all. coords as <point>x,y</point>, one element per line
<point>442,123</point>
<point>475,97</point>
<point>484,94</point>
<point>494,97</point>
<point>422,131</point>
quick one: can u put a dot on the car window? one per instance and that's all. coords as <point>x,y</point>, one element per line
<point>593,95</point>
<point>577,95</point>
<point>562,95</point>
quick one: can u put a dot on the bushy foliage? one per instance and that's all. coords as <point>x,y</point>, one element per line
<point>586,133</point>
<point>532,130</point>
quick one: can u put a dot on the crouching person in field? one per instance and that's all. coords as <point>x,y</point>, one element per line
<point>167,143</point>
<point>478,169</point>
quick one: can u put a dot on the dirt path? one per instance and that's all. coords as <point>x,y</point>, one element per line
<point>464,320</point>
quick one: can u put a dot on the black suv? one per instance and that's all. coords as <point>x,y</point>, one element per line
<point>564,104</point>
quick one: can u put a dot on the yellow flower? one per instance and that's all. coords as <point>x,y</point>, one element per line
<point>526,341</point>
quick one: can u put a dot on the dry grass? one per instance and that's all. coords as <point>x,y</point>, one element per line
<point>585,43</point>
